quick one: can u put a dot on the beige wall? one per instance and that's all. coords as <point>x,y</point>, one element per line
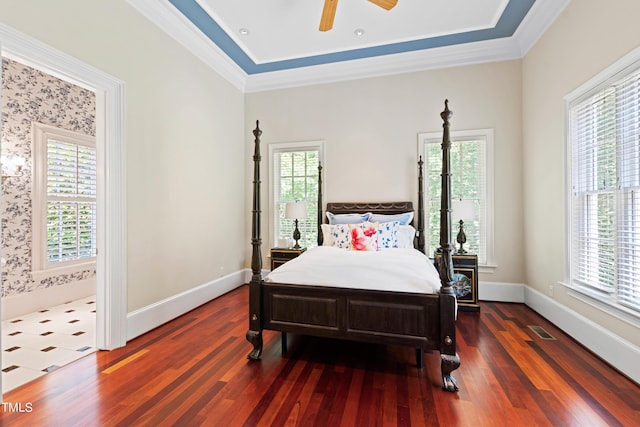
<point>370,129</point>
<point>588,37</point>
<point>189,138</point>
<point>184,133</point>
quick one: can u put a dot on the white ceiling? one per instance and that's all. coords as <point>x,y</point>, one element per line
<point>283,46</point>
<point>288,29</point>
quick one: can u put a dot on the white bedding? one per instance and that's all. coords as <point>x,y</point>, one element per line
<point>399,270</point>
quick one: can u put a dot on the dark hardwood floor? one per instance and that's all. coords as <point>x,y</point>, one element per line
<point>194,371</point>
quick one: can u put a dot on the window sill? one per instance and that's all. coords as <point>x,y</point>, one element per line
<point>604,303</point>
<point>486,268</point>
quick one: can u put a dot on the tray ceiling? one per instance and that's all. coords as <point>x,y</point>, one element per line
<point>263,44</point>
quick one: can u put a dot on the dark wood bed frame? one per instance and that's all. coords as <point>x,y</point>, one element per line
<point>422,321</point>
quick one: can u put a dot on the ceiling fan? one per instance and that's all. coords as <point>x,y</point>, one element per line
<point>329,11</point>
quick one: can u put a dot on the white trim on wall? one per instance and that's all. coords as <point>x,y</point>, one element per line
<point>147,318</point>
<point>616,351</point>
<point>171,21</point>
<point>30,302</point>
<point>110,139</point>
<point>40,135</point>
<point>613,349</point>
<point>502,292</point>
<point>279,147</point>
<point>488,135</point>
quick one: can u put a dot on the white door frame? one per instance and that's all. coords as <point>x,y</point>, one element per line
<point>111,263</point>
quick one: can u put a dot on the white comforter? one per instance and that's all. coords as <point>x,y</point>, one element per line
<point>399,270</point>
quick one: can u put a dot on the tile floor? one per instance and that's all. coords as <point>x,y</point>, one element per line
<point>41,342</point>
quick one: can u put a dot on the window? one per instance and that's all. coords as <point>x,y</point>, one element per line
<point>471,179</point>
<point>603,151</point>
<point>64,202</point>
<point>294,171</point>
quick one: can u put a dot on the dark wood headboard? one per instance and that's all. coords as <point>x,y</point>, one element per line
<point>383,208</point>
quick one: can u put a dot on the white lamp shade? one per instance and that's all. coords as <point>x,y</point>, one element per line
<point>463,209</point>
<point>295,210</point>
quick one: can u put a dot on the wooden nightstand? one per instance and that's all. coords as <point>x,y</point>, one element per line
<point>465,274</point>
<point>280,256</point>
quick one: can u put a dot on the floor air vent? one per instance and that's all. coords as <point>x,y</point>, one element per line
<point>540,331</point>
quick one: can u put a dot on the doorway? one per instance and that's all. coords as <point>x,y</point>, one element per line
<point>48,222</point>
<point>111,280</point>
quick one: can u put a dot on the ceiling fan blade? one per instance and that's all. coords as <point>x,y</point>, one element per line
<point>328,13</point>
<point>385,4</point>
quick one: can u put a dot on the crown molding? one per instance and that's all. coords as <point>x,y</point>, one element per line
<point>172,22</point>
<point>408,62</point>
<point>542,14</point>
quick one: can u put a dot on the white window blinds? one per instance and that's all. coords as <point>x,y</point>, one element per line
<point>470,181</point>
<point>297,180</point>
<point>71,201</point>
<point>294,177</point>
<point>605,189</point>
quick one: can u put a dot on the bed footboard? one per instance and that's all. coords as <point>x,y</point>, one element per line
<point>357,315</point>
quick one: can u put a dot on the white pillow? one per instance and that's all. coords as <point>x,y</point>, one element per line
<point>327,238</point>
<point>406,233</point>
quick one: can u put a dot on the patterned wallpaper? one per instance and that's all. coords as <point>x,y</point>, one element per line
<point>30,95</point>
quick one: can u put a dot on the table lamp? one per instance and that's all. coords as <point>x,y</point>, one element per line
<point>296,211</point>
<point>462,209</point>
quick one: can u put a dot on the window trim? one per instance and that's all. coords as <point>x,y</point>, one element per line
<point>40,267</point>
<point>281,147</point>
<point>487,134</point>
<point>601,300</point>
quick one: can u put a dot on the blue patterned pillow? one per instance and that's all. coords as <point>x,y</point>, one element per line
<point>403,218</point>
<point>340,236</point>
<point>388,235</point>
<point>347,218</point>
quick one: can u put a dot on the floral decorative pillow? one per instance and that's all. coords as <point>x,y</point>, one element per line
<point>364,237</point>
<point>388,235</point>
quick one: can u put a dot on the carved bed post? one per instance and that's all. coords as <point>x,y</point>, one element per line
<point>320,219</point>
<point>450,359</point>
<point>254,334</point>
<point>419,239</point>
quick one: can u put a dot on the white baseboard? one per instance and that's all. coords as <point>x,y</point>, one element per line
<point>615,350</point>
<point>147,318</point>
<point>30,302</point>
<point>618,352</point>
<point>503,292</point>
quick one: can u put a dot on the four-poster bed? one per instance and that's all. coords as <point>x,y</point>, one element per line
<point>424,321</point>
